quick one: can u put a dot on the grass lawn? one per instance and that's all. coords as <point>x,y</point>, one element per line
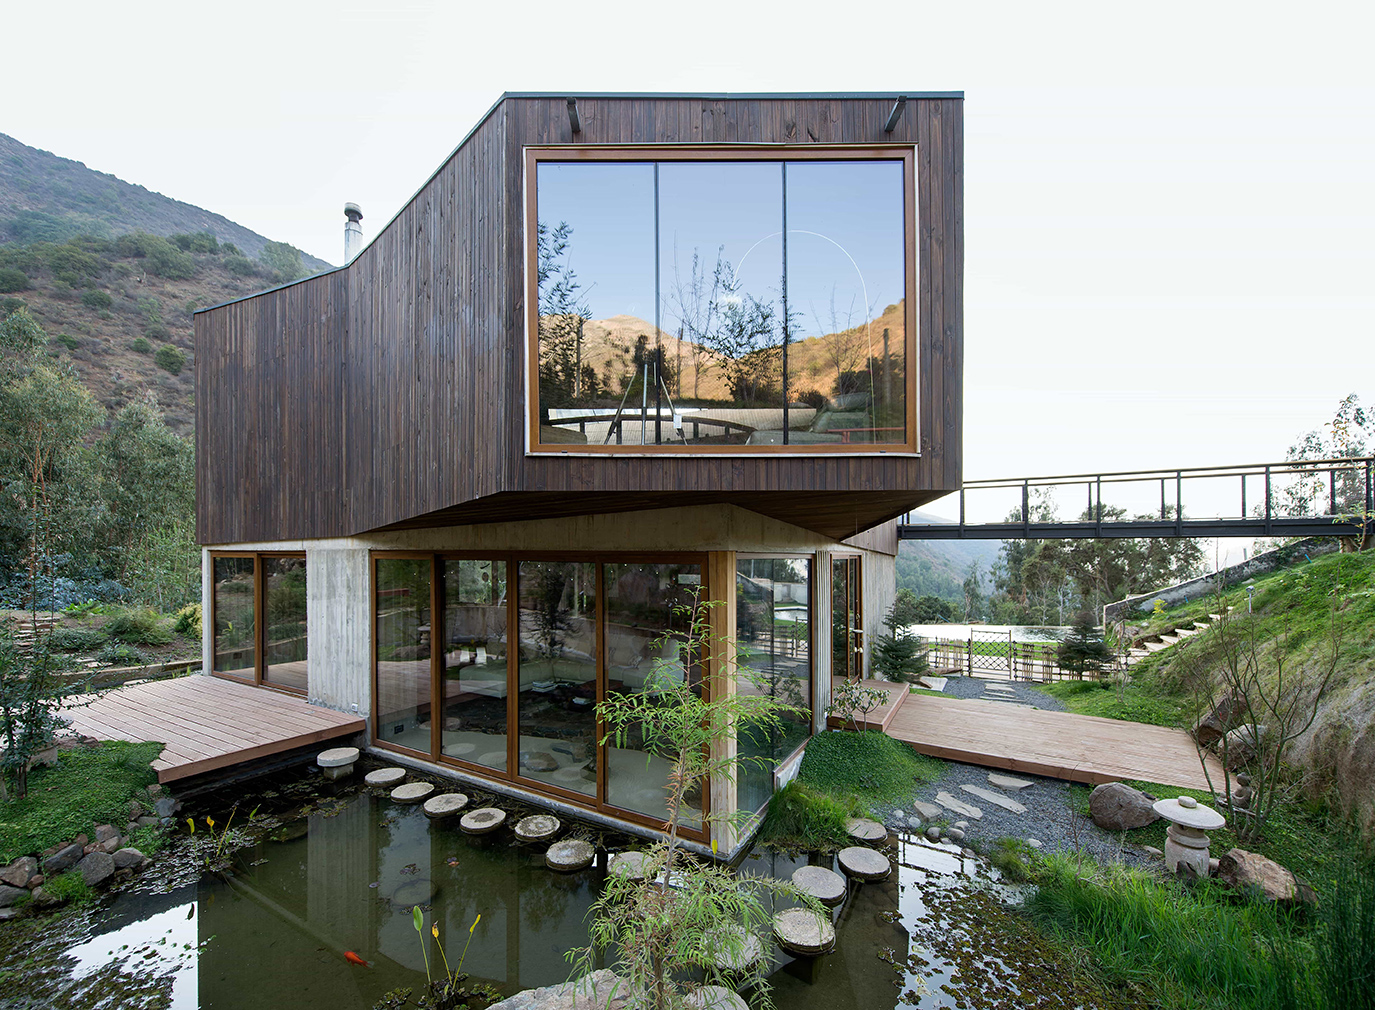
<point>1146,699</point>
<point>88,786</point>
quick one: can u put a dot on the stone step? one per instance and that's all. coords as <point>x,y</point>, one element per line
<point>997,799</point>
<point>956,806</point>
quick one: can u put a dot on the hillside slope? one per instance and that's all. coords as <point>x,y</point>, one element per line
<point>48,198</point>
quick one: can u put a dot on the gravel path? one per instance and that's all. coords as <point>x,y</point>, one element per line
<point>974,687</point>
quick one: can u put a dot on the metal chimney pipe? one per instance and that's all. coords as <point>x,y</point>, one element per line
<point>353,231</point>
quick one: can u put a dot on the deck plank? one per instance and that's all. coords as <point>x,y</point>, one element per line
<point>1079,748</point>
<point>206,723</point>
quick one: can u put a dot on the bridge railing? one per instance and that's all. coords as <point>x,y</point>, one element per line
<point>1265,499</point>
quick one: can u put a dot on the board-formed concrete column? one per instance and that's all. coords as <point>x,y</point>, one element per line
<point>338,607</point>
<point>721,670</point>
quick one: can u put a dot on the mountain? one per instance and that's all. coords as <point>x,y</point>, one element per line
<point>47,198</point>
<point>939,567</point>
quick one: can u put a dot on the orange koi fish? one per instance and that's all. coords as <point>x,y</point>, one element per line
<point>353,958</point>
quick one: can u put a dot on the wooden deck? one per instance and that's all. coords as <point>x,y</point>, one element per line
<point>207,723</point>
<point>1080,748</point>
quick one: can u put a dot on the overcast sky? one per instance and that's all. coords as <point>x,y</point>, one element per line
<point>1170,208</point>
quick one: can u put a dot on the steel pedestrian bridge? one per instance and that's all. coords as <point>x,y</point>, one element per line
<point>1339,495</point>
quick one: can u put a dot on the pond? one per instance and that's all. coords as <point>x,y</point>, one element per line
<point>277,930</point>
<point>985,632</point>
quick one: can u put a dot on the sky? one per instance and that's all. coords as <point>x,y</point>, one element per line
<point>1169,208</point>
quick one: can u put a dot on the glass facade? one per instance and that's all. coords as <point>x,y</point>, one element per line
<point>258,611</point>
<point>474,662</point>
<point>847,628</point>
<point>285,651</point>
<point>730,302</point>
<point>236,640</point>
<point>774,636</point>
<point>401,620</point>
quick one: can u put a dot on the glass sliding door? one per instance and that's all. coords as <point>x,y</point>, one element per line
<point>285,647</point>
<point>402,623</point>
<point>557,675</point>
<point>649,652</point>
<point>774,635</point>
<point>235,607</point>
<point>474,662</point>
<point>847,630</point>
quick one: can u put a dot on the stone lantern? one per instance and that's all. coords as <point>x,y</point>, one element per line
<point>1186,843</point>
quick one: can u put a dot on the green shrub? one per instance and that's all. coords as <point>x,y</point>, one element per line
<point>241,265</point>
<point>139,626</point>
<point>68,341</point>
<point>120,654</point>
<point>170,359</point>
<point>69,886</point>
<point>13,280</point>
<point>230,249</point>
<point>872,767</point>
<point>156,331</point>
<point>200,242</point>
<point>149,839</point>
<point>10,305</point>
<point>166,260</point>
<point>96,299</point>
<point>801,819</point>
<point>1013,857</point>
<point>141,345</point>
<point>76,639</point>
<point>188,621</point>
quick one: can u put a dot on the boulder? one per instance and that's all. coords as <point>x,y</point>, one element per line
<point>105,832</point>
<point>62,859</point>
<point>17,874</point>
<point>602,990</point>
<point>628,864</point>
<point>1116,806</point>
<point>96,868</point>
<point>9,896</point>
<point>1241,745</point>
<point>110,845</point>
<point>127,858</point>
<point>166,806</point>
<point>1224,716</point>
<point>714,997</point>
<point>1248,871</point>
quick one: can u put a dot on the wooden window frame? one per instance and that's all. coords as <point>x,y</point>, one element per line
<point>596,802</point>
<point>259,629</point>
<point>906,153</point>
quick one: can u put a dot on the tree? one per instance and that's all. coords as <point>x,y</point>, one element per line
<point>283,260</point>
<point>1084,651</point>
<point>1318,492</point>
<point>684,917</point>
<point>898,655</point>
<point>973,593</point>
<point>563,312</point>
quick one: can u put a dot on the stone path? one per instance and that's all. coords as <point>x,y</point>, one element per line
<point>958,806</point>
<point>997,799</point>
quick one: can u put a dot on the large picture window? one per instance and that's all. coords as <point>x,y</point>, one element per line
<point>258,613</point>
<point>722,301</point>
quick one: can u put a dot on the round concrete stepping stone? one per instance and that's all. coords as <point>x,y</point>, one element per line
<point>864,863</point>
<point>826,886</point>
<point>628,864</point>
<point>337,757</point>
<point>569,855</point>
<point>492,759</point>
<point>861,829</point>
<point>385,777</point>
<point>412,792</point>
<point>573,774</point>
<point>482,820</point>
<point>800,931</point>
<point>539,761</point>
<point>737,956</point>
<point>537,827</point>
<point>458,750</point>
<point>715,997</point>
<point>445,804</point>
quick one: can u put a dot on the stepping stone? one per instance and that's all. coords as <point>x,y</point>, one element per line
<point>826,886</point>
<point>861,829</point>
<point>998,687</point>
<point>537,827</point>
<point>801,931</point>
<point>864,863</point>
<point>337,762</point>
<point>569,855</point>
<point>997,799</point>
<point>412,792</point>
<point>958,807</point>
<point>445,805</point>
<point>539,761</point>
<point>574,775</point>
<point>1008,782</point>
<point>928,811</point>
<point>742,953</point>
<point>715,997</point>
<point>385,777</point>
<point>628,864</point>
<point>492,759</point>
<point>932,683</point>
<point>458,750</point>
<point>482,821</point>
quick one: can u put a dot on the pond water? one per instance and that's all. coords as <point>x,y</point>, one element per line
<point>277,929</point>
<point>984,632</point>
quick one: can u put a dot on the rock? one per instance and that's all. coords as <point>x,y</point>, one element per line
<point>385,777</point>
<point>1250,870</point>
<point>799,931</point>
<point>1214,866</point>
<point>1224,717</point>
<point>11,895</point>
<point>82,840</point>
<point>569,855</point>
<point>997,799</point>
<point>166,806</point>
<point>35,881</point>
<point>43,899</point>
<point>933,833</point>
<point>602,990</point>
<point>105,832</point>
<point>136,810</point>
<point>154,790</point>
<point>89,847</point>
<point>928,811</point>
<point>1035,843</point>
<point>445,805</point>
<point>1008,782</point>
<point>96,868</point>
<point>537,828</point>
<point>968,853</point>
<point>864,863</point>
<point>861,829</point>
<point>956,835</point>
<point>914,822</point>
<point>960,824</point>
<point>412,792</point>
<point>62,859</point>
<point>17,874</point>
<point>539,761</point>
<point>1241,745</point>
<point>111,844</point>
<point>958,806</point>
<point>1151,850</point>
<point>482,821</point>
<point>131,827</point>
<point>1115,806</point>
<point>127,858</point>
<point>735,948</point>
<point>714,997</point>
<point>826,886</point>
<point>148,822</point>
<point>628,864</point>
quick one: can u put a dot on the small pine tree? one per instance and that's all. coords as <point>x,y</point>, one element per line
<point>899,655</point>
<point>1084,651</point>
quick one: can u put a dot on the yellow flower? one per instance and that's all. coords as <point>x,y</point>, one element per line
<point>474,925</point>
<point>210,821</point>
<point>713,846</point>
<point>191,823</point>
<point>434,931</point>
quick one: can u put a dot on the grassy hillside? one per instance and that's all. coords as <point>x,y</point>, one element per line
<point>47,198</point>
<point>939,567</point>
